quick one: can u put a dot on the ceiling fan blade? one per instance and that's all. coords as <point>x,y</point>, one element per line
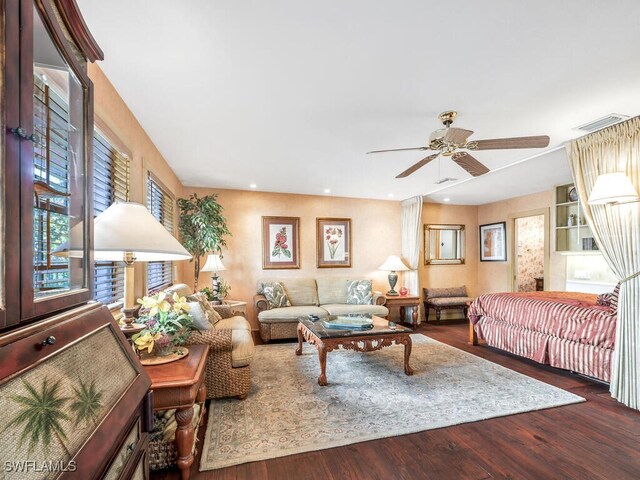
<point>539,141</point>
<point>457,135</point>
<point>399,149</point>
<point>470,164</point>
<point>418,165</point>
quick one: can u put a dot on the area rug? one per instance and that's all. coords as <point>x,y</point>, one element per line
<point>368,397</point>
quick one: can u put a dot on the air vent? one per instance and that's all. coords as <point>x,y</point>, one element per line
<point>603,122</point>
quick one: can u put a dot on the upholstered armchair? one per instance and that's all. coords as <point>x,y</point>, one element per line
<point>231,350</point>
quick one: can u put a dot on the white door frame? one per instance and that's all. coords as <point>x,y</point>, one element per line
<point>513,247</point>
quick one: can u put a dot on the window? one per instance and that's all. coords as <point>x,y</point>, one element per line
<point>160,204</point>
<point>51,185</point>
<point>111,179</point>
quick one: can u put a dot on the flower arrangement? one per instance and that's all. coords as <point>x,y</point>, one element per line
<point>167,323</point>
<point>333,236</point>
<point>280,246</point>
<point>223,290</point>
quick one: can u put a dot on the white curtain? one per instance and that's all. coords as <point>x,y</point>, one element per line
<point>616,229</point>
<point>411,229</point>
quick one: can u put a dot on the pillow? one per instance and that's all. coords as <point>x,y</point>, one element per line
<point>359,292</point>
<point>199,316</point>
<point>212,316</point>
<point>604,299</point>
<point>613,304</point>
<point>276,295</point>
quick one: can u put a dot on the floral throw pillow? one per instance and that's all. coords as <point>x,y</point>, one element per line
<point>359,292</point>
<point>213,316</point>
<point>604,299</point>
<point>276,295</point>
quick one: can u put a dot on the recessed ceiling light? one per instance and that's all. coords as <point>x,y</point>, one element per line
<point>327,190</point>
<point>446,199</point>
<point>390,195</point>
<point>253,185</point>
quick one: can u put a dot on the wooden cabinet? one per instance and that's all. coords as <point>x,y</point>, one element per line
<point>75,399</point>
<point>571,229</point>
<point>47,104</point>
<point>73,394</point>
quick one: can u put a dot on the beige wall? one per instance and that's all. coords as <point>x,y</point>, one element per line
<point>116,121</point>
<point>494,276</point>
<point>442,276</point>
<point>375,232</point>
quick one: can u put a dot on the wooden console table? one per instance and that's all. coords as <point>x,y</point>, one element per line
<point>180,385</point>
<point>403,302</point>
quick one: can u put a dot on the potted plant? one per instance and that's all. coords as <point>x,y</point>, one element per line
<point>203,228</point>
<point>223,291</point>
<point>167,324</point>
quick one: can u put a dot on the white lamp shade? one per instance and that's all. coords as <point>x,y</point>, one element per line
<point>612,188</point>
<point>213,264</point>
<point>130,228</point>
<point>393,263</point>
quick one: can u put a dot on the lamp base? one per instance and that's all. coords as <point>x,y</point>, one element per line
<point>393,279</point>
<point>128,318</point>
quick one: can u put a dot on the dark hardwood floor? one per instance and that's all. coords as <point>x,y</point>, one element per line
<point>597,439</point>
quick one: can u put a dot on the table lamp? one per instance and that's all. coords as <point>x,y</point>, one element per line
<point>393,264</point>
<point>214,264</point>
<point>128,232</point>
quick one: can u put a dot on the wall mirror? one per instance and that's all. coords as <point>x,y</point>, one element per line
<point>444,244</point>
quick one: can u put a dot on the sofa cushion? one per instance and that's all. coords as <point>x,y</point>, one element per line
<point>444,292</point>
<point>332,290</point>
<point>447,301</point>
<point>276,295</point>
<point>301,291</point>
<point>213,316</point>
<point>613,301</point>
<point>345,309</point>
<point>233,323</point>
<point>290,314</point>
<point>359,292</point>
<point>180,288</point>
<point>199,316</point>
<point>242,348</point>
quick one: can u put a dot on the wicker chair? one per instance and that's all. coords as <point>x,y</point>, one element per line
<point>229,342</point>
<point>222,378</point>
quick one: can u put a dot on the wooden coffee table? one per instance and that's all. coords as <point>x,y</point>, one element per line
<point>327,340</point>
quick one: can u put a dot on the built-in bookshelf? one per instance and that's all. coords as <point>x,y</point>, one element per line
<point>572,232</point>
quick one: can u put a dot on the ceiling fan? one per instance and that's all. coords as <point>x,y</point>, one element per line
<point>448,141</point>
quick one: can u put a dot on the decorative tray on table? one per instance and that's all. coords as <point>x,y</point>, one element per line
<point>341,322</point>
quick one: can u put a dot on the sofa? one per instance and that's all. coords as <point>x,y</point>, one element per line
<point>231,351</point>
<point>322,296</point>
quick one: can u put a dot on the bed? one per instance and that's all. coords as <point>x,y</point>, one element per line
<point>573,331</point>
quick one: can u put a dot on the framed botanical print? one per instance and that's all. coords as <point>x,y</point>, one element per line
<point>333,242</point>
<point>280,242</point>
<point>493,242</point>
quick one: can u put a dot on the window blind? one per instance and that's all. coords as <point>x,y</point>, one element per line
<point>111,180</point>
<point>50,168</point>
<point>160,204</point>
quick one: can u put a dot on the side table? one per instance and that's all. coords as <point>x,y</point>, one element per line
<point>402,302</point>
<point>237,307</point>
<point>180,385</point>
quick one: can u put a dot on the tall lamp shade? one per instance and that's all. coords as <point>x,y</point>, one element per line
<point>214,265</point>
<point>128,232</point>
<point>393,264</point>
<point>612,188</point>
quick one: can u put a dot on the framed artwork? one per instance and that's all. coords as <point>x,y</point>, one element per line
<point>280,242</point>
<point>493,242</point>
<point>333,242</point>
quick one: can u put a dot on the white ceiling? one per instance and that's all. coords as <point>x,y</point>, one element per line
<point>290,95</point>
